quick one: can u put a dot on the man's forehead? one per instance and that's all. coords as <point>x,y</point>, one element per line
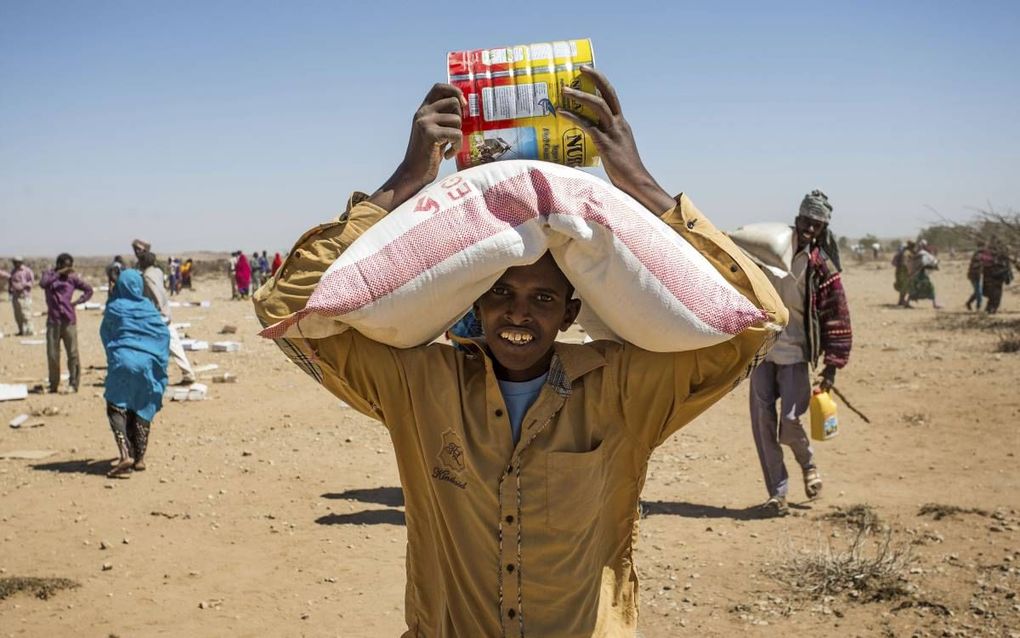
<point>544,273</point>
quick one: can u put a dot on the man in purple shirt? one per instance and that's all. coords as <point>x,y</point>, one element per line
<point>59,285</point>
<point>19,284</point>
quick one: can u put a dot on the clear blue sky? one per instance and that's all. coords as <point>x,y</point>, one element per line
<point>225,125</point>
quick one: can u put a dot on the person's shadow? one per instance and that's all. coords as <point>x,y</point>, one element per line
<point>694,510</point>
<point>95,467</point>
<point>391,497</point>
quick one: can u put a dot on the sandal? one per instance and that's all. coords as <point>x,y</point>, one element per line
<point>122,469</point>
<point>812,482</point>
<point>775,507</point>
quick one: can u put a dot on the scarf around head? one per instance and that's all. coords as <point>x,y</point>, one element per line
<point>131,321</point>
<point>816,206</point>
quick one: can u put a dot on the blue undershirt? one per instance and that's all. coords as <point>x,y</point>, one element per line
<point>518,396</point>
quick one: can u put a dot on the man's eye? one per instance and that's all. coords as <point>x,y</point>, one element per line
<point>499,290</point>
<point>544,298</point>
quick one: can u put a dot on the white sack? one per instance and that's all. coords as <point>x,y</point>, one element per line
<point>768,243</point>
<point>415,272</point>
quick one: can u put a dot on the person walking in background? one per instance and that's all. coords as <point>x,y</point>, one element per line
<point>113,270</point>
<point>243,274</point>
<point>901,262</point>
<point>59,285</point>
<point>137,345</point>
<point>186,270</point>
<point>154,292</point>
<point>921,285</point>
<point>20,281</point>
<point>232,274</point>
<point>256,272</point>
<point>975,272</point>
<point>277,262</point>
<point>997,273</point>
<point>819,325</point>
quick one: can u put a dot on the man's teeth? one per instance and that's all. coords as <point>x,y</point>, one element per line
<point>518,338</point>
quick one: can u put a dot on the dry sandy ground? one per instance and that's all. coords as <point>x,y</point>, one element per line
<point>270,510</point>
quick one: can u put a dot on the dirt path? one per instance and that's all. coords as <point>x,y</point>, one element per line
<point>270,510</point>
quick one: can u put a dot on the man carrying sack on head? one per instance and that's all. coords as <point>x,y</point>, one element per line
<point>521,458</point>
<point>819,325</point>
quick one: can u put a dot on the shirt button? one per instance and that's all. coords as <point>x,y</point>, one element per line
<point>734,268</point>
<point>510,519</point>
<point>510,568</point>
<point>511,613</point>
<point>690,224</point>
<point>499,412</point>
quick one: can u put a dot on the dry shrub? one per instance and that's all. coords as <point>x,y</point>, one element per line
<point>860,517</point>
<point>863,570</point>
<point>42,588</point>
<point>1009,340</point>
<point>938,511</point>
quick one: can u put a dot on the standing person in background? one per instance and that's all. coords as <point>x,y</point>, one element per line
<point>277,262</point>
<point>153,291</point>
<point>186,269</point>
<point>921,286</point>
<point>264,266</point>
<point>243,275</point>
<point>975,271</point>
<point>256,272</point>
<point>232,274</point>
<point>19,285</point>
<point>997,273</point>
<point>819,325</point>
<point>137,344</point>
<point>171,272</point>
<point>113,270</point>
<point>59,285</point>
<point>901,262</point>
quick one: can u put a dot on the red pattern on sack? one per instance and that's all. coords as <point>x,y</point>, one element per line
<point>508,204</point>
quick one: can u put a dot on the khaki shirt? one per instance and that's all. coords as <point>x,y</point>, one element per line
<point>535,539</point>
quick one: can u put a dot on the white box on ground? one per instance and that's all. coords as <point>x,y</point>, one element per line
<point>194,345</point>
<point>17,421</point>
<point>13,391</point>
<point>226,346</point>
<point>193,392</point>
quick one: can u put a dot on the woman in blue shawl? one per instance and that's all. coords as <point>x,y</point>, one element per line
<point>137,344</point>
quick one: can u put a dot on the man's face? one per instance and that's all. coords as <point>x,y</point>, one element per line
<point>808,230</point>
<point>522,314</point>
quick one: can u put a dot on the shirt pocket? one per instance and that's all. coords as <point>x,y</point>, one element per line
<point>574,485</point>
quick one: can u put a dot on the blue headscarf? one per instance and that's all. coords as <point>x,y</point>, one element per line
<point>137,344</point>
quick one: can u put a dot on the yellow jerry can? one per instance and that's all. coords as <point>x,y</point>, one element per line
<point>824,424</point>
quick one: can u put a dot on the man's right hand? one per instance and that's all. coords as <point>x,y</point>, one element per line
<point>435,135</point>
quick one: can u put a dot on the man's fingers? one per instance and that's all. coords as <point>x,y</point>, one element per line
<point>591,128</point>
<point>441,91</point>
<point>604,87</point>
<point>593,102</point>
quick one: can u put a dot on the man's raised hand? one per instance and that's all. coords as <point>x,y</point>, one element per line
<point>435,135</point>
<point>615,142</point>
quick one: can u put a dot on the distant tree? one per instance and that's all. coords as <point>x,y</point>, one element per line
<point>843,243</point>
<point>949,236</point>
<point>868,240</point>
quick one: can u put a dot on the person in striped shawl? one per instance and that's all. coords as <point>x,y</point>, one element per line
<point>819,328</point>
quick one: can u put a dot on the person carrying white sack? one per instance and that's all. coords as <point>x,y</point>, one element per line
<point>521,458</point>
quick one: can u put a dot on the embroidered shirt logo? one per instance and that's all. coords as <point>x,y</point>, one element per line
<point>452,453</point>
<point>451,459</point>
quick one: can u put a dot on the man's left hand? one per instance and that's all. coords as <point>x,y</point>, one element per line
<point>615,142</point>
<point>828,379</point>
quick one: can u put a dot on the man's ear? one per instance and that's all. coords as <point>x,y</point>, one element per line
<point>573,308</point>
